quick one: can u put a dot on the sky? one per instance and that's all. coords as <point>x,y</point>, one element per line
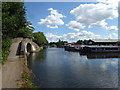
<point>72,21</point>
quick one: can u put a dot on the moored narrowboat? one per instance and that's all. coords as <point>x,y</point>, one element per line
<point>100,49</point>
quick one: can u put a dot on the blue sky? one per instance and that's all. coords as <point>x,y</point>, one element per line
<point>64,29</point>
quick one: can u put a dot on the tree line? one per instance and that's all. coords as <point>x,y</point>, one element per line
<point>59,44</point>
<point>62,43</point>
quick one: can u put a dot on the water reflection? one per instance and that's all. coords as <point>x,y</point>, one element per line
<point>56,68</point>
<point>101,55</point>
<point>36,57</point>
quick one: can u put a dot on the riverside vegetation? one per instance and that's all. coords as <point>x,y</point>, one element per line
<point>15,24</point>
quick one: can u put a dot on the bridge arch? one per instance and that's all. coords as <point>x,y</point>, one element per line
<point>19,49</point>
<point>29,47</point>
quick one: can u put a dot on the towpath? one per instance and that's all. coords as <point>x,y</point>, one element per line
<point>12,69</point>
<point>11,72</point>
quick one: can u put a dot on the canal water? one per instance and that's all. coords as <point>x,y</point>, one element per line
<point>57,68</point>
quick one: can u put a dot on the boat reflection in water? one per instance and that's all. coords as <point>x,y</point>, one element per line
<point>100,55</point>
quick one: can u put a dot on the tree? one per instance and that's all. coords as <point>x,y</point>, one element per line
<point>83,41</point>
<point>61,43</point>
<point>40,39</point>
<point>79,42</point>
<point>14,23</point>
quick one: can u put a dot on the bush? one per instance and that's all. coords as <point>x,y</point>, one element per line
<point>6,43</point>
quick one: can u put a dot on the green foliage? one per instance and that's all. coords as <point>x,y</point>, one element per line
<point>14,20</point>
<point>6,43</point>
<point>27,81</point>
<point>40,39</point>
<point>25,33</point>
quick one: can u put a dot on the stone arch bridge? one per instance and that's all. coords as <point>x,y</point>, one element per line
<point>21,46</point>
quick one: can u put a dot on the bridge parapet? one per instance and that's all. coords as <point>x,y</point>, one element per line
<point>17,40</point>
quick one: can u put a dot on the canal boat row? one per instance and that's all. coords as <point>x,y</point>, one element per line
<point>95,46</point>
<point>87,48</point>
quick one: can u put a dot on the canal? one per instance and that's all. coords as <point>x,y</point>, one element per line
<point>57,68</point>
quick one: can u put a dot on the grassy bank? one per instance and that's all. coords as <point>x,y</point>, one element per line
<point>26,77</point>
<point>27,81</point>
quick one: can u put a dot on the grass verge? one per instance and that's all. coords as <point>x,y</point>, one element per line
<point>26,78</point>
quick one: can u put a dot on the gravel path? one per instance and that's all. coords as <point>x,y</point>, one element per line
<point>11,72</point>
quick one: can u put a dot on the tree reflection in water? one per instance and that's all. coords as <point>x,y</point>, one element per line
<point>38,56</point>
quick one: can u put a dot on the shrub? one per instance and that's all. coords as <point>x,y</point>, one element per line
<point>6,43</point>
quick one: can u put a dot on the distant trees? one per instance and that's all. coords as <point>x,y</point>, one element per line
<point>83,42</point>
<point>62,43</point>
<point>59,44</point>
<point>40,39</point>
<point>79,42</point>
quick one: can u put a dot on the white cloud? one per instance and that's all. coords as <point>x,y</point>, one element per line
<point>112,36</point>
<point>111,28</point>
<point>52,37</point>
<point>74,25</point>
<point>72,37</point>
<point>99,24</point>
<point>94,14</point>
<point>52,20</point>
<point>104,65</point>
<point>55,13</point>
<point>53,27</point>
<point>114,3</point>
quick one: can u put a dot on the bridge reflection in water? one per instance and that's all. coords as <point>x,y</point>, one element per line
<point>101,55</point>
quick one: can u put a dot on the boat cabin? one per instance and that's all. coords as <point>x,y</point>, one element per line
<point>105,42</point>
<point>76,46</point>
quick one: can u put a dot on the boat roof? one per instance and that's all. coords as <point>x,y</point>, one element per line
<point>76,44</point>
<point>95,46</point>
<point>105,40</point>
